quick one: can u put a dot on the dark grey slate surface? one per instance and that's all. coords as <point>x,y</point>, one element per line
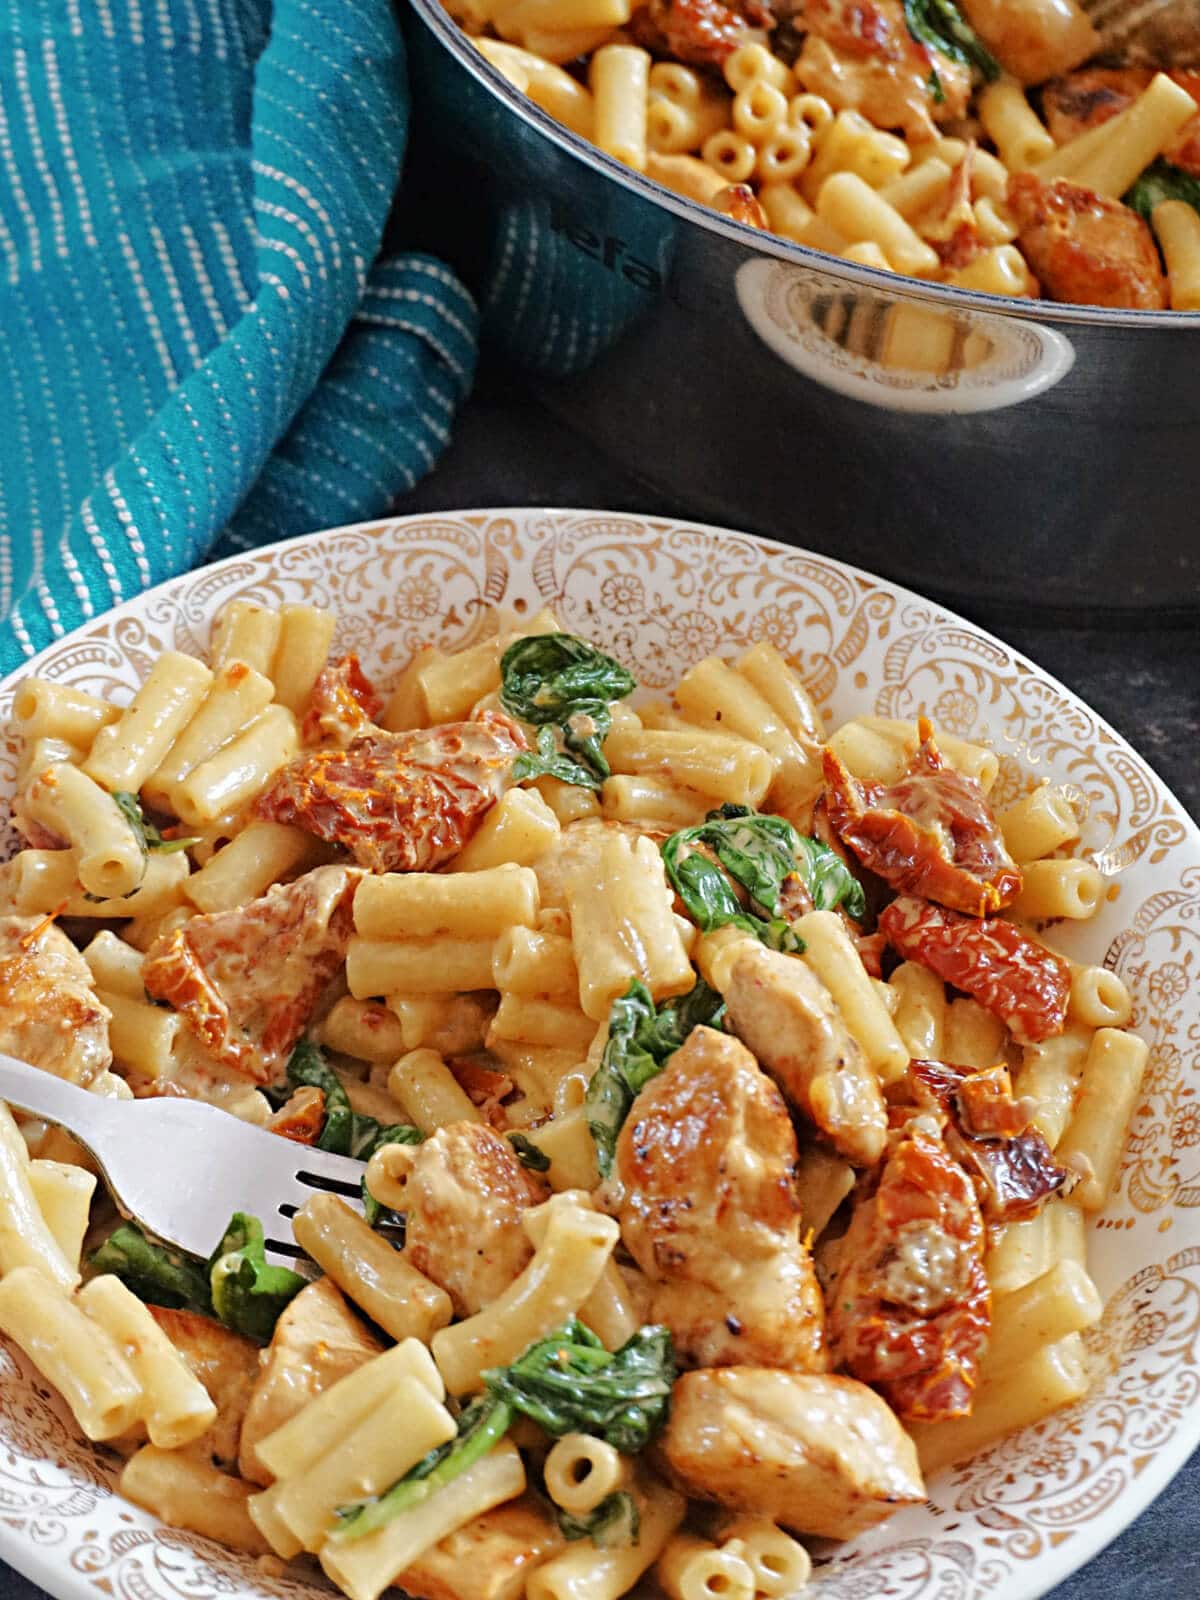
<point>1144,679</point>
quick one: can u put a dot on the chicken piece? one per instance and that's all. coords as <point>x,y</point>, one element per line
<point>49,1013</point>
<point>701,32</point>
<point>1014,977</point>
<point>464,1197</point>
<point>932,833</point>
<point>400,802</point>
<point>909,1309</point>
<point>317,1340</point>
<point>226,1363</point>
<point>860,56</point>
<point>784,1014</point>
<point>1084,100</point>
<point>1033,39</point>
<point>343,704</point>
<point>488,1558</point>
<point>245,981</point>
<point>703,1191</point>
<point>822,1455</point>
<point>1085,248</point>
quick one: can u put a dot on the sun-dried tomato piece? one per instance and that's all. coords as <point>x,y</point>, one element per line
<point>484,1086</point>
<point>991,1137</point>
<point>870,947</point>
<point>932,834</point>
<point>343,703</point>
<point>1012,976</point>
<point>245,981</point>
<point>909,1309</point>
<point>400,802</point>
<point>301,1117</point>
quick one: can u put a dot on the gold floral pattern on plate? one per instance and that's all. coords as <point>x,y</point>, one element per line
<point>659,595</point>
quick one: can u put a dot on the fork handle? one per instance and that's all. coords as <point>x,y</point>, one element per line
<point>30,1089</point>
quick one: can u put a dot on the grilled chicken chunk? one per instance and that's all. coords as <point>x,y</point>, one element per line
<point>704,1194</point>
<point>226,1363</point>
<point>822,1455</point>
<point>487,1559</point>
<point>783,1012</point>
<point>49,1013</point>
<point>1084,247</point>
<point>1033,39</point>
<point>465,1194</point>
<point>860,56</point>
<point>701,32</point>
<point>1084,100</point>
<point>317,1340</point>
<point>245,981</point>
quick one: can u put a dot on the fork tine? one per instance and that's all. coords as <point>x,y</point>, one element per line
<point>313,1171</point>
<point>343,1169</point>
<point>349,1190</point>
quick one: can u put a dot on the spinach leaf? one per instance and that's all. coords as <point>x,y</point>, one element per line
<point>146,834</point>
<point>155,1272</point>
<point>614,1523</point>
<point>548,761</point>
<point>528,1153</point>
<point>640,1038</point>
<point>569,1383</point>
<point>236,1286</point>
<point>555,679</point>
<point>828,879</point>
<point>757,851</point>
<point>346,1132</point>
<point>307,1065</point>
<point>480,1428</point>
<point>247,1294</point>
<point>942,26</point>
<point>1162,181</point>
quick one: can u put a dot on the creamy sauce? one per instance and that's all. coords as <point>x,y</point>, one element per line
<point>926,1269</point>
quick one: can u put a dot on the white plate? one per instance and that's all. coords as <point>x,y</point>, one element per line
<point>659,595</point>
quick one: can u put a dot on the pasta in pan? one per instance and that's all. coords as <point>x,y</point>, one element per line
<point>712,1074</point>
<point>989,144</point>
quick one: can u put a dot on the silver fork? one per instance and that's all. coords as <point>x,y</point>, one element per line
<point>181,1168</point>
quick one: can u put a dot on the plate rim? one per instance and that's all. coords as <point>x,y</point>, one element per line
<point>1057,1563</point>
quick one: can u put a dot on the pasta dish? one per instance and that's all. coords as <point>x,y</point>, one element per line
<point>996,145</point>
<point>728,1122</point>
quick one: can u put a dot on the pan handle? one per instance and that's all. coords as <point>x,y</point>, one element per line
<point>898,351</point>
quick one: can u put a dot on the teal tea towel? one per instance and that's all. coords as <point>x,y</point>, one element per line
<point>195,337</point>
